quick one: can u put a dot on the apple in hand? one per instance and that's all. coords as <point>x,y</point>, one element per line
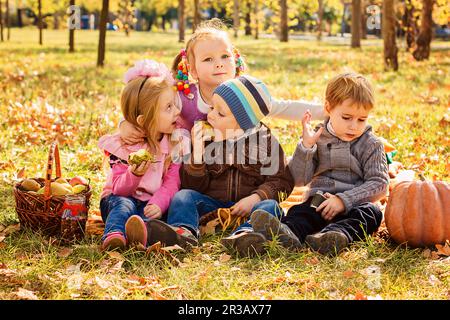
<point>78,180</point>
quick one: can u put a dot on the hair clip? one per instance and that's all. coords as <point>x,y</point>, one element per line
<point>240,67</point>
<point>183,75</point>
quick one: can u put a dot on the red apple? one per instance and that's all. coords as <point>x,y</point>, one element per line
<point>78,180</point>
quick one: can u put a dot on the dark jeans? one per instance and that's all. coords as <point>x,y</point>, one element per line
<point>116,210</point>
<point>356,224</point>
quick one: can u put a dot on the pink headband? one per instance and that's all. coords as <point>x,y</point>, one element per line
<point>148,68</point>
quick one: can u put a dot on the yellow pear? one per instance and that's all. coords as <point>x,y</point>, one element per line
<point>78,188</point>
<point>59,190</point>
<point>140,156</point>
<point>30,185</point>
<point>62,181</point>
<point>41,190</point>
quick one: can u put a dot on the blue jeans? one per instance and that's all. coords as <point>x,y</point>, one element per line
<point>116,210</point>
<point>188,206</point>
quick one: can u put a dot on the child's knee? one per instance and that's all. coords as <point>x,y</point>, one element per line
<point>184,196</point>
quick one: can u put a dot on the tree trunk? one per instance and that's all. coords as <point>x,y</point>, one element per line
<point>283,21</point>
<point>8,33</point>
<point>102,36</point>
<point>255,13</point>
<point>40,21</point>
<point>56,21</point>
<point>1,23</point>
<point>181,22</point>
<point>426,31</point>
<point>196,15</point>
<point>248,19</point>
<point>236,17</point>
<point>126,17</point>
<point>71,32</point>
<point>363,20</point>
<point>319,22</point>
<point>19,18</point>
<point>356,23</point>
<point>410,25</point>
<point>388,31</point>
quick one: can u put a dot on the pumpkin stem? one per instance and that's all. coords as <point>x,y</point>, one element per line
<point>422,177</point>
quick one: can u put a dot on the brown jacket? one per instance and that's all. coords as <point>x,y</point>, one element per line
<point>253,173</point>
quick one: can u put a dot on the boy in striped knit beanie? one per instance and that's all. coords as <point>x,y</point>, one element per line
<point>344,160</point>
<point>243,169</point>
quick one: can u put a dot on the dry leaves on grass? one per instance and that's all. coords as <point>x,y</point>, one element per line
<point>26,294</point>
<point>165,251</point>
<point>443,251</point>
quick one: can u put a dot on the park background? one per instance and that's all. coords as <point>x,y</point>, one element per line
<point>61,77</point>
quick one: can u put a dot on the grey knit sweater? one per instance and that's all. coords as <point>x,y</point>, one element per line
<point>355,171</point>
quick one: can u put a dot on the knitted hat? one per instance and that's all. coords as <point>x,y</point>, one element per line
<point>248,99</point>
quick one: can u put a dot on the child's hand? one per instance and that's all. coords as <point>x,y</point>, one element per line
<point>152,211</point>
<point>331,207</point>
<point>244,207</point>
<point>130,134</point>
<point>309,136</point>
<point>140,170</point>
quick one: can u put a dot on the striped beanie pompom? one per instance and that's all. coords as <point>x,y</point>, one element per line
<point>248,99</point>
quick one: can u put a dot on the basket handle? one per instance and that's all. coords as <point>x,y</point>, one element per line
<point>53,154</point>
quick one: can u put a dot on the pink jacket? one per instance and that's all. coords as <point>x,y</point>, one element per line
<point>154,186</point>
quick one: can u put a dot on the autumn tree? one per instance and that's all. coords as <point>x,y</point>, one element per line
<point>196,20</point>
<point>235,17</point>
<point>181,21</point>
<point>284,31</point>
<point>320,20</point>
<point>356,23</point>
<point>1,23</point>
<point>102,35</point>
<point>423,41</point>
<point>8,27</point>
<point>388,32</point>
<point>71,30</point>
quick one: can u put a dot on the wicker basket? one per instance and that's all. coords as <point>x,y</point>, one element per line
<point>60,216</point>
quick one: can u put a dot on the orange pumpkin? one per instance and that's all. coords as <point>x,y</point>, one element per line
<point>418,212</point>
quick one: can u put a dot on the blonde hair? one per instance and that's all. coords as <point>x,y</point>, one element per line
<point>141,96</point>
<point>209,29</point>
<point>352,86</point>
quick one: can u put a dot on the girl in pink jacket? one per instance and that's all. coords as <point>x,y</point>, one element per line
<point>136,193</point>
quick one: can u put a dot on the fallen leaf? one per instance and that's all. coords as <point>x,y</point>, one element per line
<point>445,121</point>
<point>20,174</point>
<point>104,284</point>
<point>172,248</point>
<point>65,252</point>
<point>210,227</point>
<point>26,294</point>
<point>360,296</point>
<point>443,250</point>
<point>11,229</point>
<point>224,258</point>
<point>348,274</point>
<point>312,261</point>
<point>116,255</point>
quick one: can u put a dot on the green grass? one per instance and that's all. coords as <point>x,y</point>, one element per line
<point>43,86</point>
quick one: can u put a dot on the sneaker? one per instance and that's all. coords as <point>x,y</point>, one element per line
<point>169,235</point>
<point>327,243</point>
<point>114,240</point>
<point>136,231</point>
<point>270,226</point>
<point>247,244</point>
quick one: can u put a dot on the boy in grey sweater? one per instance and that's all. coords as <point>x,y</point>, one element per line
<point>343,159</point>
